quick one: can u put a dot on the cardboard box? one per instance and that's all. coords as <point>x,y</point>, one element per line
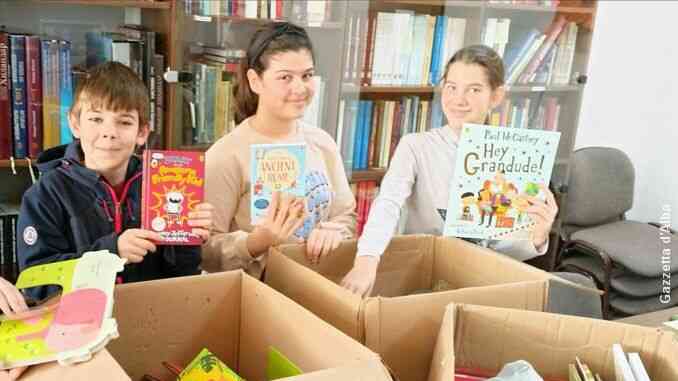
<point>102,366</point>
<point>487,338</point>
<point>403,329</point>
<point>233,315</point>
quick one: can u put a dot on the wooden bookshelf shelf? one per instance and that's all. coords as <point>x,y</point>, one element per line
<point>375,174</point>
<point>431,89</point>
<point>538,8</point>
<point>547,89</point>
<point>18,163</point>
<point>245,20</point>
<point>388,89</point>
<point>145,4</point>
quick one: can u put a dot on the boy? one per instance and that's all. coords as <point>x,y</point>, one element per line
<point>89,195</point>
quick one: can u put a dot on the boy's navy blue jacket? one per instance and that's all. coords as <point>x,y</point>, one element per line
<point>72,210</point>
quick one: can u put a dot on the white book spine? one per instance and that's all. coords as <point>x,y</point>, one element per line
<point>622,369</point>
<point>638,368</point>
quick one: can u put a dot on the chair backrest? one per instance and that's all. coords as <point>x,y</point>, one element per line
<point>600,188</point>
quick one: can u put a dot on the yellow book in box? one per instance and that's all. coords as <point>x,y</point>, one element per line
<point>207,367</point>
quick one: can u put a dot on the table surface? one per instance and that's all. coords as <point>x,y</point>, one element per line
<point>653,319</point>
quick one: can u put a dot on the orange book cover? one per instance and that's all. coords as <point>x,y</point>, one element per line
<point>173,184</point>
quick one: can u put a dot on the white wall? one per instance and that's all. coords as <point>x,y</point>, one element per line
<point>631,99</point>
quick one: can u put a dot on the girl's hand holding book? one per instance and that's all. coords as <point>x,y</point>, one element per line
<point>284,216</point>
<point>543,213</point>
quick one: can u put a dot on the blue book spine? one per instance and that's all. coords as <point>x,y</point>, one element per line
<point>357,136</point>
<point>515,52</point>
<point>435,55</point>
<point>18,68</point>
<point>349,141</point>
<point>366,133</point>
<point>65,91</point>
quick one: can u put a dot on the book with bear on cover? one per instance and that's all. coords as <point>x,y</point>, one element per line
<point>173,184</point>
<point>496,169</point>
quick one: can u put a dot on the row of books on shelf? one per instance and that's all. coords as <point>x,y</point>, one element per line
<point>369,131</point>
<point>8,260</point>
<point>401,48</point>
<point>365,192</point>
<point>537,114</point>
<point>38,78</point>
<point>311,12</point>
<point>533,57</point>
<point>35,91</point>
<point>134,46</point>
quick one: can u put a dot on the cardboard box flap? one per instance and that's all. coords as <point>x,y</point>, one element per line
<point>327,300</point>
<point>334,266</point>
<point>360,371</point>
<point>488,338</point>
<point>406,266</point>
<point>471,263</point>
<point>101,367</point>
<point>155,327</point>
<point>271,319</point>
<point>392,324</point>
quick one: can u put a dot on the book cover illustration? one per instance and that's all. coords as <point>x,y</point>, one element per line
<point>70,330</point>
<point>206,367</point>
<point>173,184</point>
<point>275,168</point>
<point>496,169</point>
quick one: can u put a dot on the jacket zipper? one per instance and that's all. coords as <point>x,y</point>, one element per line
<point>116,203</point>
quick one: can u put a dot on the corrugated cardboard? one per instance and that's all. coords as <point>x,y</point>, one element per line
<point>102,367</point>
<point>237,318</point>
<point>403,329</point>
<point>488,337</point>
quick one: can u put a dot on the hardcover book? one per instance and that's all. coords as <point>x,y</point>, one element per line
<point>173,184</point>
<point>275,168</point>
<point>496,169</point>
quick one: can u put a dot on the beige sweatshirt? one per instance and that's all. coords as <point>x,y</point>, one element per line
<point>227,187</point>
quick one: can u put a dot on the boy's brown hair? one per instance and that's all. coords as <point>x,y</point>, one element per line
<point>113,86</point>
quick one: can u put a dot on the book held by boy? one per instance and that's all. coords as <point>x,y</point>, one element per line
<point>173,184</point>
<point>496,169</point>
<point>275,168</point>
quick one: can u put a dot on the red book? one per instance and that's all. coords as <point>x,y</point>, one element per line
<point>33,96</point>
<point>5,100</point>
<point>173,184</point>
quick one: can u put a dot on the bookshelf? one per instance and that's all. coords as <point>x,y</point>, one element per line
<point>546,94</point>
<point>531,90</point>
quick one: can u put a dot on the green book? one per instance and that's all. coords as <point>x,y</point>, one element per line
<point>280,366</point>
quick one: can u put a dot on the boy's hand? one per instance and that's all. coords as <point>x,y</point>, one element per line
<point>201,220</point>
<point>284,216</point>
<point>322,240</point>
<point>11,300</point>
<point>134,244</point>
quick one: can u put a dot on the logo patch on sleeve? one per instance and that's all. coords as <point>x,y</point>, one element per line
<point>30,235</point>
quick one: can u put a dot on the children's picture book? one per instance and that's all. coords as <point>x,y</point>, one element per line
<point>275,168</point>
<point>173,184</point>
<point>496,169</point>
<point>206,367</point>
<point>73,327</point>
